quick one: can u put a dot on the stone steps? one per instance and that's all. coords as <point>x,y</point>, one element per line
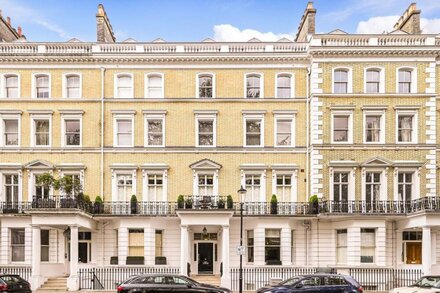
<point>54,285</point>
<point>208,279</point>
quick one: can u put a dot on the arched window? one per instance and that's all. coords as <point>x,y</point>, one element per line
<point>154,86</point>
<point>372,80</point>
<point>205,83</point>
<point>73,86</point>
<point>406,84</point>
<point>254,86</point>
<point>42,88</point>
<point>341,81</point>
<point>284,86</point>
<point>11,86</point>
<point>124,86</point>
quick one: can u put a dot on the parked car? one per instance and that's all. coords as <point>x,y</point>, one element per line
<point>14,283</point>
<point>426,284</point>
<point>319,283</point>
<point>166,283</point>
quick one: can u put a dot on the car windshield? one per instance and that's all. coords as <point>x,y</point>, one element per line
<point>428,282</point>
<point>290,282</point>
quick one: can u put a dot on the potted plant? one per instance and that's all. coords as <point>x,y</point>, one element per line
<point>133,204</point>
<point>221,203</point>
<point>188,203</point>
<point>69,186</point>
<point>180,202</point>
<point>313,203</point>
<point>229,202</point>
<point>47,181</point>
<point>273,205</point>
<point>98,205</point>
<point>87,203</point>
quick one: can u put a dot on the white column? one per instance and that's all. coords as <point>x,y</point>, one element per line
<point>225,280</point>
<point>4,245</point>
<point>122,246</point>
<point>36,279</point>
<point>183,250</point>
<point>286,251</point>
<point>426,251</point>
<point>72,281</point>
<point>259,234</point>
<point>149,248</point>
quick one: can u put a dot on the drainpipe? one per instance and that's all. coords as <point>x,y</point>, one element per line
<point>306,224</point>
<point>102,133</point>
<point>307,133</point>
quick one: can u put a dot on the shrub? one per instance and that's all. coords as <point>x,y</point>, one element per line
<point>133,198</point>
<point>180,202</point>
<point>230,202</point>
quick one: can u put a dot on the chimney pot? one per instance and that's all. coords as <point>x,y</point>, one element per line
<point>19,31</point>
<point>8,20</point>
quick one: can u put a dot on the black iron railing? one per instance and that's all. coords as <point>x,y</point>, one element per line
<point>257,277</point>
<point>108,278</point>
<point>385,279</point>
<point>220,203</point>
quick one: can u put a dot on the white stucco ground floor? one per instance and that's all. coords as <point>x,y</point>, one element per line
<point>66,243</point>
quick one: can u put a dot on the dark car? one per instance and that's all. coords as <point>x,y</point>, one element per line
<point>166,283</point>
<point>14,283</point>
<point>320,283</point>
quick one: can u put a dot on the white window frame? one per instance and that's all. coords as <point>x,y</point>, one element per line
<point>33,183</point>
<point>292,84</point>
<point>147,81</point>
<point>350,126</point>
<point>292,132</point>
<point>213,84</point>
<point>71,74</point>
<point>202,117</point>
<point>293,183</point>
<point>17,173</point>
<point>381,79</point>
<point>154,117</point>
<point>65,117</point>
<point>415,121</point>
<point>41,117</point>
<point>150,170</point>
<point>415,184</point>
<point>349,81</point>
<point>117,117</point>
<point>116,85</point>
<point>247,117</point>
<point>21,245</point>
<point>383,182</point>
<point>337,256</point>
<point>382,136</point>
<point>4,117</point>
<point>208,172</point>
<point>123,169</point>
<point>3,80</point>
<point>76,172</point>
<point>34,84</point>
<point>351,181</point>
<point>413,88</point>
<point>261,75</point>
<point>375,246</point>
<point>256,172</point>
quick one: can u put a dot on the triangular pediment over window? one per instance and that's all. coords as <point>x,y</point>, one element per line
<point>205,164</point>
<point>377,162</point>
<point>39,164</point>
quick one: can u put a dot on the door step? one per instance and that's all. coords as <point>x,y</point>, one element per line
<point>54,285</point>
<point>208,279</point>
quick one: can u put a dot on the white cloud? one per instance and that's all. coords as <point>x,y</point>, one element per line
<point>380,24</point>
<point>230,33</point>
<point>24,14</point>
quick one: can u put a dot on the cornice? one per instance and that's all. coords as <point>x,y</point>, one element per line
<point>373,51</point>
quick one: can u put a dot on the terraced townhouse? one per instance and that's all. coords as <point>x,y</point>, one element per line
<point>349,118</point>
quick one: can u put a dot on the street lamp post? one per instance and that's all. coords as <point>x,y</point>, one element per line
<point>241,192</point>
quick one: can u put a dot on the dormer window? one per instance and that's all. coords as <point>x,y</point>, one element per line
<point>42,88</point>
<point>124,86</point>
<point>254,87</point>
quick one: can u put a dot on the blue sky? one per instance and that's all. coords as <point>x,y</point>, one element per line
<point>195,20</point>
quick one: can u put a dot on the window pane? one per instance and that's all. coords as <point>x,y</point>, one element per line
<point>284,86</point>
<point>155,81</point>
<point>253,87</point>
<point>11,87</point>
<point>124,81</point>
<point>42,86</point>
<point>11,132</point>
<point>72,132</point>
<point>124,126</point>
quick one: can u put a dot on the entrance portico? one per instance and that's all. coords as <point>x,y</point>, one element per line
<point>205,243</point>
<point>66,231</point>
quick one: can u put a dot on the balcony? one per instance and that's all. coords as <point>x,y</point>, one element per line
<point>197,203</point>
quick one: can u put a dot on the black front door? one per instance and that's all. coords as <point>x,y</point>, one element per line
<point>83,252</point>
<point>206,263</point>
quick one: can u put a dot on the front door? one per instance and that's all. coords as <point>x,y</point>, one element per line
<point>83,252</point>
<point>205,253</point>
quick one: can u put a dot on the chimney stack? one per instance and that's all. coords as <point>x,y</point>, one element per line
<point>104,30</point>
<point>410,20</point>
<point>307,24</point>
<point>19,31</point>
<point>8,20</point>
